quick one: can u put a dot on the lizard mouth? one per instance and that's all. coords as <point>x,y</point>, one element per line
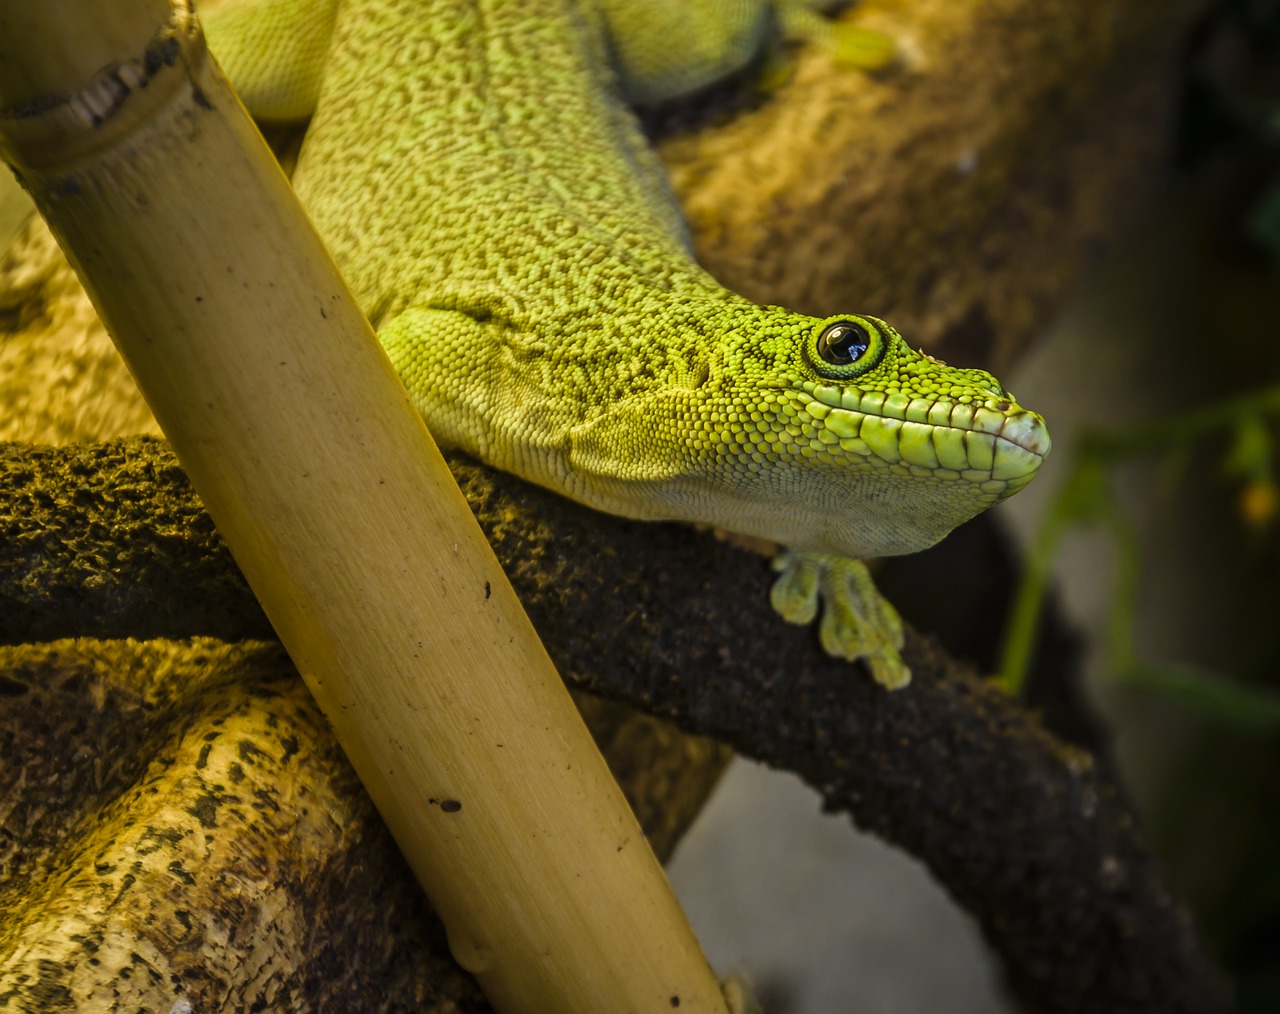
<point>1019,450</point>
<point>994,443</point>
<point>1026,431</point>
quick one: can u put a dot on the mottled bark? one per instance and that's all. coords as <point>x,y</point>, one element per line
<point>179,823</point>
<point>1020,827</point>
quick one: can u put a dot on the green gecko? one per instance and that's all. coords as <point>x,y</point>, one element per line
<point>487,194</point>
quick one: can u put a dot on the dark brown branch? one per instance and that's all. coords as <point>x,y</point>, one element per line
<point>108,541</point>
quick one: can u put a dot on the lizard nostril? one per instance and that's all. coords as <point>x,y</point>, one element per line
<point>1003,406</point>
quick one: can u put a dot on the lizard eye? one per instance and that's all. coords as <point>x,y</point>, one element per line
<point>843,342</point>
<point>842,348</point>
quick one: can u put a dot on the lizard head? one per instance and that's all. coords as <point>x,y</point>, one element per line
<point>822,434</point>
<point>841,438</point>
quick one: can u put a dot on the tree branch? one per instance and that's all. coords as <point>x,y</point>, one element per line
<point>109,541</point>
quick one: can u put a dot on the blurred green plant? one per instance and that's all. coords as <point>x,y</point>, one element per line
<point>1087,498</point>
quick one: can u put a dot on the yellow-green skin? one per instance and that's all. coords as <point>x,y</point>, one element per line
<point>486,192</point>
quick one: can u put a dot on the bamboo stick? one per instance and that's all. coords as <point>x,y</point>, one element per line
<point>338,508</point>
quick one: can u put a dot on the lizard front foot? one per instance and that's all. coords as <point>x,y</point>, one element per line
<point>857,621</point>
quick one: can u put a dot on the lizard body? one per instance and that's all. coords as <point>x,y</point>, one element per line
<point>490,200</point>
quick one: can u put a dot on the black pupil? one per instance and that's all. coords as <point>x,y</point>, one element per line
<point>843,343</point>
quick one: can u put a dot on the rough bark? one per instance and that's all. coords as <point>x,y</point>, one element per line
<point>1019,826</point>
<point>179,824</point>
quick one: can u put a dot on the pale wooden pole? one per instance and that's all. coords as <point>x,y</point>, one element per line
<point>339,509</point>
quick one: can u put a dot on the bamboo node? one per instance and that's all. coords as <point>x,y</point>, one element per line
<point>61,128</point>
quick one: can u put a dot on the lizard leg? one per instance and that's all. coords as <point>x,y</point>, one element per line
<point>849,45</point>
<point>662,49</point>
<point>273,52</point>
<point>857,622</point>
<point>430,350</point>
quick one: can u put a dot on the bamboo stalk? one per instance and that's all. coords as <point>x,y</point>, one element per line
<point>338,508</point>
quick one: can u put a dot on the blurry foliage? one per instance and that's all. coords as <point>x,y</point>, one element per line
<point>1087,497</point>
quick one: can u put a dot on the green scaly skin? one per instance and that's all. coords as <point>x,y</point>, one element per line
<point>487,194</point>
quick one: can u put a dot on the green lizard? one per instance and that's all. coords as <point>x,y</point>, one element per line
<point>484,188</point>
